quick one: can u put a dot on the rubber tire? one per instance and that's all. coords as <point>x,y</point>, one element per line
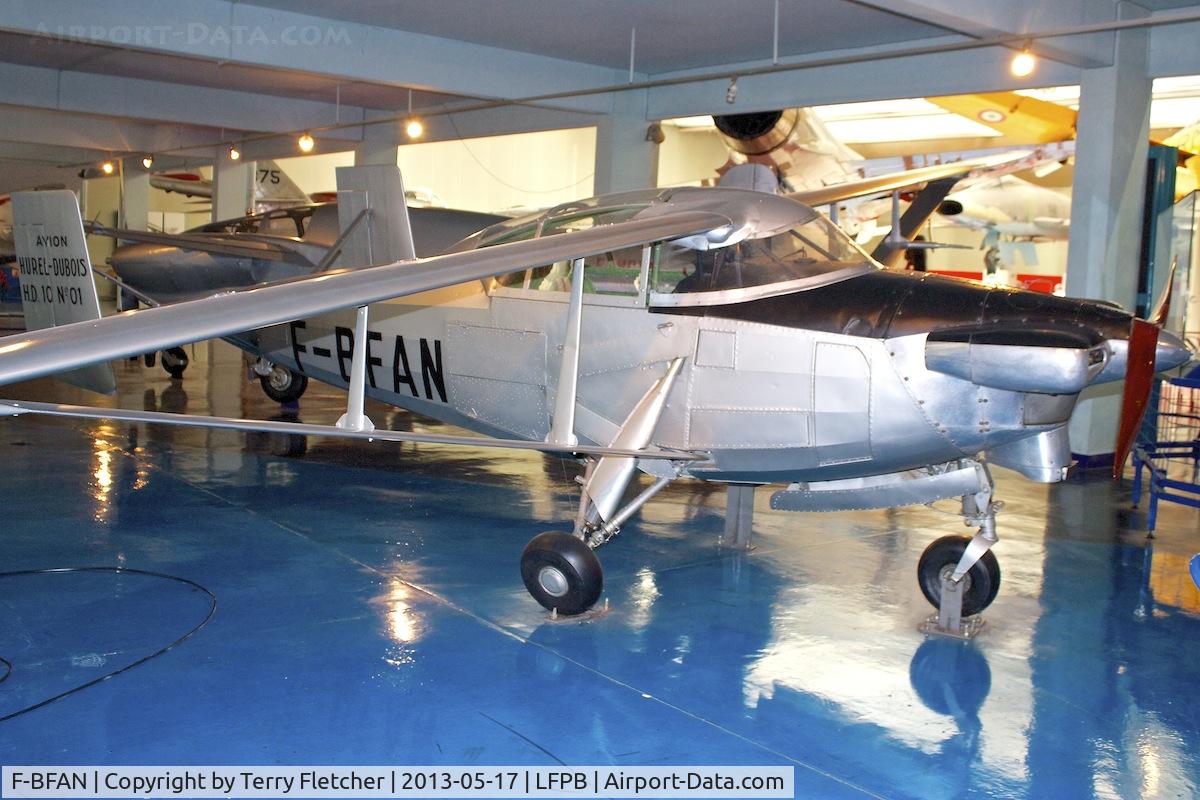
<point>175,361</point>
<point>984,576</point>
<point>577,563</point>
<point>288,394</point>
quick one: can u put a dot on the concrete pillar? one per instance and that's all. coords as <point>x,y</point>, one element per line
<point>1106,210</point>
<point>135,196</point>
<point>233,187</point>
<point>625,158</point>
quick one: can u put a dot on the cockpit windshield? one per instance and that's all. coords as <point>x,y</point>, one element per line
<point>808,253</point>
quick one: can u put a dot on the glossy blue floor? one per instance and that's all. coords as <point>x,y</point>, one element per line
<point>369,610</point>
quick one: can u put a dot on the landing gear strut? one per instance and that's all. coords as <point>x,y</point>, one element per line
<point>959,575</point>
<point>559,569</point>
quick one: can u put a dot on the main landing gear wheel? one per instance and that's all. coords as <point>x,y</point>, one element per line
<point>561,572</point>
<point>175,361</point>
<point>939,560</point>
<point>282,385</point>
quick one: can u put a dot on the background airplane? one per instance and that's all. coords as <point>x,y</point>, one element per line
<point>1010,211</point>
<point>716,334</point>
<point>806,158</point>
<point>1030,120</point>
<point>260,248</point>
<point>272,186</point>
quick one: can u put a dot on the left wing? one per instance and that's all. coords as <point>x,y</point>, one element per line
<point>37,353</point>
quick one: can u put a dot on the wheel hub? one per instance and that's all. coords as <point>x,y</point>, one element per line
<point>553,581</point>
<point>280,379</point>
<point>948,571</point>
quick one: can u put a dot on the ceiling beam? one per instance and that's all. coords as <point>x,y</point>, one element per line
<point>960,72</point>
<point>97,133</point>
<point>157,101</point>
<point>982,19</point>
<point>226,31</point>
<point>443,128</point>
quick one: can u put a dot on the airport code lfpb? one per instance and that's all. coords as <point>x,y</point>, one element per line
<point>387,782</point>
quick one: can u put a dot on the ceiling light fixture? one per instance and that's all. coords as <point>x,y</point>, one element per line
<point>234,153</point>
<point>413,128</point>
<point>108,168</point>
<point>147,161</point>
<point>305,142</point>
<point>1023,63</point>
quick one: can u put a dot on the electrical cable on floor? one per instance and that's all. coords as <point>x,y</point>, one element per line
<point>212,609</point>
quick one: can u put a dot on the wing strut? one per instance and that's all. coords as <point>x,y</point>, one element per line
<point>562,427</point>
<point>354,419</point>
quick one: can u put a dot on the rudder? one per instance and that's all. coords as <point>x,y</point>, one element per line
<point>57,286</point>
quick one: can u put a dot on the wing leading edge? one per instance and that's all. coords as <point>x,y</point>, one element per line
<point>38,353</point>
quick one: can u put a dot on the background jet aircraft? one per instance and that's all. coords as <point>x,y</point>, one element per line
<point>715,334</point>
<point>1008,209</point>
<point>808,161</point>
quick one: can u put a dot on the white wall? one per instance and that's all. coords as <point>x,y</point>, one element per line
<point>689,156</point>
<point>533,170</point>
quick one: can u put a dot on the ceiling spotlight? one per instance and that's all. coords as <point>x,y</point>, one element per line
<point>234,153</point>
<point>305,142</point>
<point>108,168</point>
<point>147,161</point>
<point>1023,63</point>
<point>414,129</point>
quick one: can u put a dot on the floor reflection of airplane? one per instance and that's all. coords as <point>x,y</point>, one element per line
<point>714,334</point>
<point>260,248</point>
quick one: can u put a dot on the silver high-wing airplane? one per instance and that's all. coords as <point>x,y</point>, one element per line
<point>714,334</point>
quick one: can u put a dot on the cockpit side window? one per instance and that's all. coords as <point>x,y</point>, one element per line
<point>615,273</point>
<point>809,251</point>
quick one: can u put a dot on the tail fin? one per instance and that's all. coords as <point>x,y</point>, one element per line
<point>385,235</point>
<point>57,287</point>
<point>272,185</point>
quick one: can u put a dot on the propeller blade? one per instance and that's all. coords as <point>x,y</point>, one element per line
<point>1163,309</point>
<point>1139,379</point>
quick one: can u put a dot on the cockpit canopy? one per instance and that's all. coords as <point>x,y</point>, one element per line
<point>772,246</point>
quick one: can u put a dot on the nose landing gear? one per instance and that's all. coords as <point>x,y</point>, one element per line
<point>960,575</point>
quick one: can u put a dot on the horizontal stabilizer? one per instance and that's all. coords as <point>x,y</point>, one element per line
<point>241,245</point>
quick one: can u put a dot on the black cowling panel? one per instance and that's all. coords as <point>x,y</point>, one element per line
<point>885,304</point>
